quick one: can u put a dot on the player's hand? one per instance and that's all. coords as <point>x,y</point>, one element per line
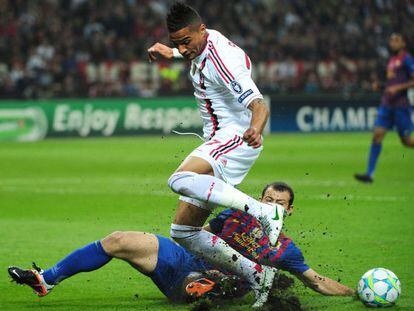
<point>252,137</point>
<point>393,89</point>
<point>159,49</point>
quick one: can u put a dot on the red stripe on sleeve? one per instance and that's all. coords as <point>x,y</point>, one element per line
<point>247,61</point>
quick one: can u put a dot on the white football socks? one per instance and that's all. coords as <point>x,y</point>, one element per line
<point>216,251</point>
<point>213,190</point>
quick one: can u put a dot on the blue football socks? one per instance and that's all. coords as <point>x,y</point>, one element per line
<point>87,258</point>
<point>373,158</point>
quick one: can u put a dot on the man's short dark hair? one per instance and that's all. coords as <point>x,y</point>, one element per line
<point>280,186</point>
<point>180,16</point>
<point>399,34</point>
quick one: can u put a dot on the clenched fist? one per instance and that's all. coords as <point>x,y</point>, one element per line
<point>252,137</point>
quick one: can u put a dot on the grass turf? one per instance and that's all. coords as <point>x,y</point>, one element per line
<point>57,195</point>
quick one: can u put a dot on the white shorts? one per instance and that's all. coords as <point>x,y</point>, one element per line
<point>230,157</point>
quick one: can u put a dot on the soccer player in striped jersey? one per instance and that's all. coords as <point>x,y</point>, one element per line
<point>244,233</point>
<point>234,116</point>
<point>395,110</point>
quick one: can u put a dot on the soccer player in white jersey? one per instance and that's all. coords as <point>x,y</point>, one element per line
<point>234,116</point>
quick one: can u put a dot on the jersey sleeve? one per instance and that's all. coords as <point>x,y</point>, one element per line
<point>232,69</point>
<point>292,260</point>
<point>409,64</point>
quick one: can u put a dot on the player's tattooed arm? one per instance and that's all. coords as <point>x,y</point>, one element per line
<point>159,49</point>
<point>260,114</point>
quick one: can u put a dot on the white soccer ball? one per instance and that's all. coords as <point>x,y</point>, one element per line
<point>379,287</point>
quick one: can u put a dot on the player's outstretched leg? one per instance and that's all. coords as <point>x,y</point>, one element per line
<point>213,190</point>
<point>374,153</point>
<point>87,258</point>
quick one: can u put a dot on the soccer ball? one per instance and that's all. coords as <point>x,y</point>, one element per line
<point>379,287</point>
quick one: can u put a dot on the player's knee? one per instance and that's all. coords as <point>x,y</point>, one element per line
<point>180,182</point>
<point>113,243</point>
<point>407,142</point>
<point>377,139</point>
<point>182,233</point>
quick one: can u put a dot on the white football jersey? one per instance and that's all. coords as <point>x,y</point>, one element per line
<point>223,86</point>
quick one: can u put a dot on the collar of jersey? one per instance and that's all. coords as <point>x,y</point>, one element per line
<point>197,61</point>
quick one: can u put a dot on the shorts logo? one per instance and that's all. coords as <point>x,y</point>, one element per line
<point>236,87</point>
<point>245,95</point>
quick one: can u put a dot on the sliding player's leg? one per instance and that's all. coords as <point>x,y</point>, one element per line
<point>87,258</point>
<point>177,273</point>
<point>170,267</point>
<point>137,248</point>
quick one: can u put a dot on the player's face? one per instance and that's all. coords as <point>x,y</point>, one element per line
<point>189,41</point>
<point>280,197</point>
<point>396,43</point>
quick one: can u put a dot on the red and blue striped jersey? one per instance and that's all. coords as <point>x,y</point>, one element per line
<point>244,233</point>
<point>400,69</point>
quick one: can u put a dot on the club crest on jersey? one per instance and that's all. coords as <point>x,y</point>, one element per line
<point>236,87</point>
<point>257,233</point>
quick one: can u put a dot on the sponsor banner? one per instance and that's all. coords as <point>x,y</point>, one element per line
<point>34,120</point>
<point>22,124</point>
<point>323,114</point>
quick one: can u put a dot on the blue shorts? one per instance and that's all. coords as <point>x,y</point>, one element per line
<point>174,264</point>
<point>400,117</point>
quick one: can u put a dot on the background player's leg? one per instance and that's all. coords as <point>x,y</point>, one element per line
<point>407,141</point>
<point>375,150</point>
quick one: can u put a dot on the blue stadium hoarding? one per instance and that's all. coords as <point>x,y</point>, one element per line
<point>323,113</point>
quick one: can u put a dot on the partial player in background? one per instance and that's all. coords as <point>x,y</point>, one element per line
<point>395,110</point>
<point>234,116</point>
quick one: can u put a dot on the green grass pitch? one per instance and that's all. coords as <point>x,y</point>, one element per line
<point>57,195</point>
